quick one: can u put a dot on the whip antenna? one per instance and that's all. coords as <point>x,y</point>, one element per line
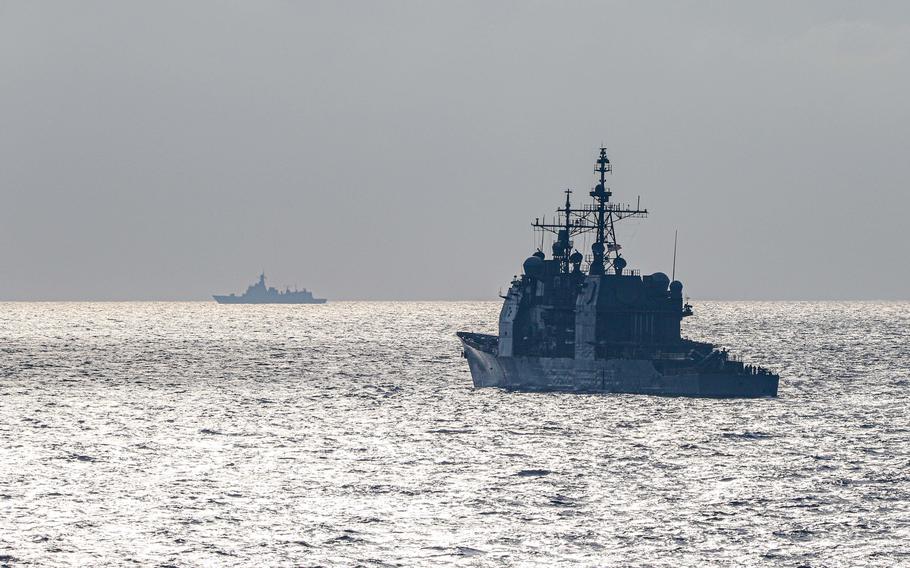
<point>675,235</point>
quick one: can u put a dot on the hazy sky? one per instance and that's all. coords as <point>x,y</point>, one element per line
<point>399,150</point>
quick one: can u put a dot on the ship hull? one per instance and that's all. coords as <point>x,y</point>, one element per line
<point>242,300</point>
<point>632,376</point>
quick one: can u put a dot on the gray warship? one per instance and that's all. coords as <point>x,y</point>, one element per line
<point>259,293</point>
<point>588,323</point>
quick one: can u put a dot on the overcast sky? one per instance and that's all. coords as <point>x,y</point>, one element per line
<point>399,150</point>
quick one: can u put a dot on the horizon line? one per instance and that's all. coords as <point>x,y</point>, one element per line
<point>330,300</point>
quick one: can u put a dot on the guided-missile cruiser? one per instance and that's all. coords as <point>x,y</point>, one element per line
<point>588,323</point>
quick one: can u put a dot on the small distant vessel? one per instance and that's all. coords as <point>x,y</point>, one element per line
<point>259,293</point>
<point>587,323</point>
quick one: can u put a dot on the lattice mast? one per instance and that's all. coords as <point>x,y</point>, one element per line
<point>599,217</point>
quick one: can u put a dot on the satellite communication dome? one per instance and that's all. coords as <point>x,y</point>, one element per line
<point>533,266</point>
<point>676,288</point>
<point>619,263</point>
<point>576,257</point>
<point>660,280</point>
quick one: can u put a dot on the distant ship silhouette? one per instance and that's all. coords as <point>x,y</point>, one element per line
<point>258,293</point>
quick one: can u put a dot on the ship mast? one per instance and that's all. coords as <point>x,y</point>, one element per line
<point>564,241</point>
<point>601,197</point>
<point>598,217</point>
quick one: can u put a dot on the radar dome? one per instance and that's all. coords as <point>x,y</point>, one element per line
<point>660,280</point>
<point>533,266</point>
<point>676,289</point>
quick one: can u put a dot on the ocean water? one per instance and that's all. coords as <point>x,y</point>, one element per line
<point>193,434</point>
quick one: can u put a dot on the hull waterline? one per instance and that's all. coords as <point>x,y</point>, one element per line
<point>629,376</point>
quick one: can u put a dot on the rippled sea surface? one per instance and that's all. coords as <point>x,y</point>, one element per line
<point>349,434</point>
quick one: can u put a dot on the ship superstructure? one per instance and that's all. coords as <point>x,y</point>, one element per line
<point>577,322</point>
<point>259,293</point>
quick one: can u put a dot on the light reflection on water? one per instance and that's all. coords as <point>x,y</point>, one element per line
<point>192,433</point>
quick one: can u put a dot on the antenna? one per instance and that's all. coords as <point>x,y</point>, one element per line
<point>675,235</point>
<point>598,218</point>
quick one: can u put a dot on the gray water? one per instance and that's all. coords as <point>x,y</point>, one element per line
<point>349,434</point>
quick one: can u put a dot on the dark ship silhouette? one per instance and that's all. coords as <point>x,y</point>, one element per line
<point>589,324</point>
<point>259,293</point>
